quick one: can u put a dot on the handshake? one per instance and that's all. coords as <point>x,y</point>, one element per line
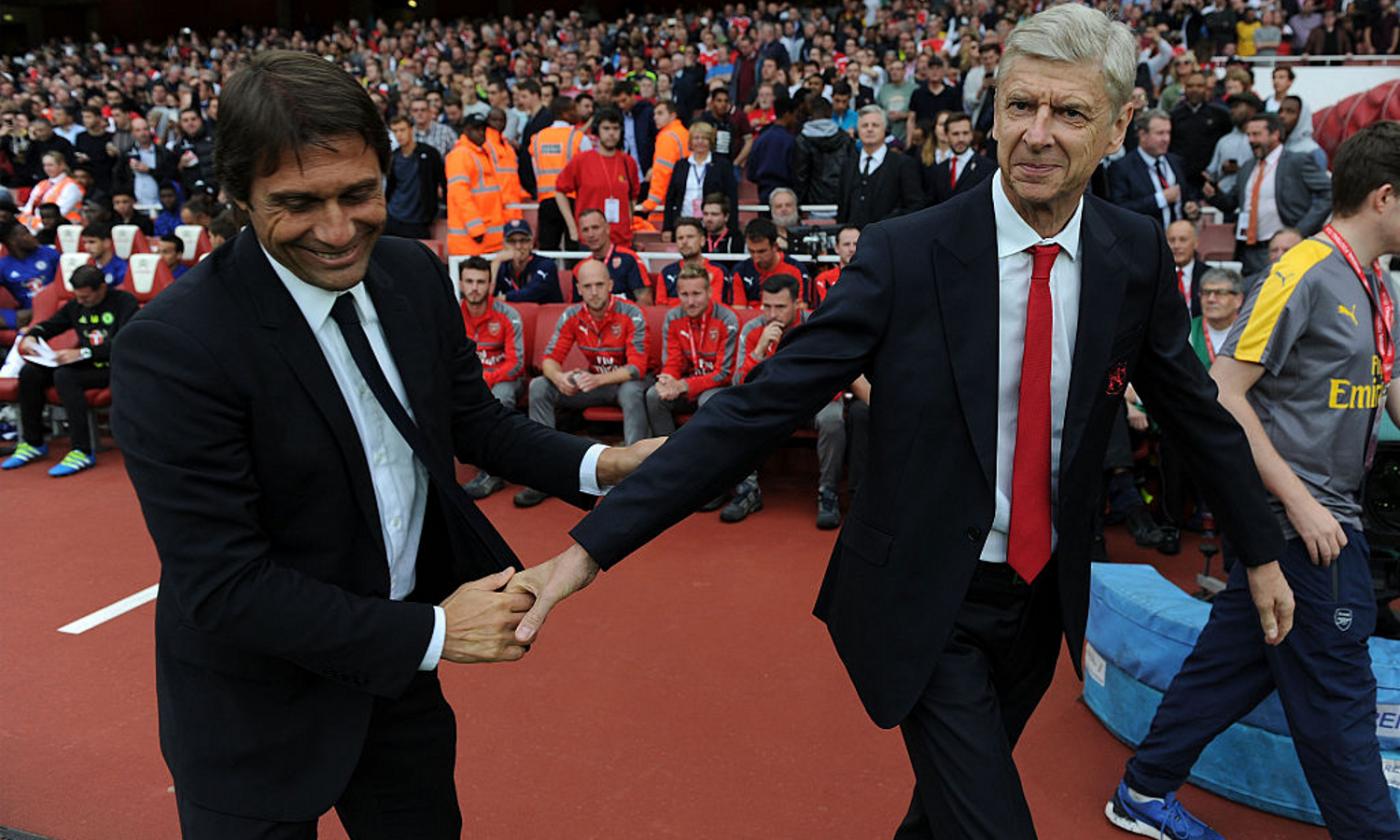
<point>496,618</point>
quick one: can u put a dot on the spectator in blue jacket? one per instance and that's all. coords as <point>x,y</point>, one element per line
<point>770,161</point>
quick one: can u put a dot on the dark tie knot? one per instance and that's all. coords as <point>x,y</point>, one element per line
<point>344,310</point>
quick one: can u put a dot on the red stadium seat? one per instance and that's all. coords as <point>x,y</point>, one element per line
<point>147,275</point>
<point>440,229</point>
<point>655,316</point>
<point>197,243</point>
<point>1217,242</point>
<point>437,246</point>
<point>128,240</point>
<point>67,264</point>
<point>69,239</point>
<point>97,398</point>
<point>546,317</point>
<point>566,285</point>
<point>9,390</point>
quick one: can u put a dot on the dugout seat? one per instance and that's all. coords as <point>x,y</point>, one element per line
<point>147,275</point>
<point>197,243</point>
<point>128,240</point>
<point>69,239</point>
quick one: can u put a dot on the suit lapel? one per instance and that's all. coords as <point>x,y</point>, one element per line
<point>279,315</point>
<point>1101,281</point>
<point>966,288</point>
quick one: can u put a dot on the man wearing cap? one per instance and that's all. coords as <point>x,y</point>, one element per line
<point>1233,149</point>
<point>524,276</point>
<point>476,212</point>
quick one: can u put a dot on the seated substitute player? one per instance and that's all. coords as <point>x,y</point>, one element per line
<point>97,313</point>
<point>499,334</point>
<point>522,276</point>
<point>26,268</point>
<point>697,354</point>
<point>624,267</point>
<point>1309,361</point>
<point>765,260</point>
<point>611,332</point>
<point>689,234</point>
<point>97,241</point>
<point>171,249</point>
<point>758,340</point>
<point>846,239</point>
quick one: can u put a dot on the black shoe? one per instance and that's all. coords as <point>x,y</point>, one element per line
<point>828,509</point>
<point>747,499</point>
<point>1145,531</point>
<point>484,485</point>
<point>715,504</point>
<point>529,497</point>
<point>1171,541</point>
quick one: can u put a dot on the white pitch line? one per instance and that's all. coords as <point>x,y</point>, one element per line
<point>110,611</point>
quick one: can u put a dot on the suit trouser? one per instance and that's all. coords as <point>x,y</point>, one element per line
<point>71,381</point>
<point>554,231</point>
<point>994,669</point>
<point>661,414</point>
<point>630,396</point>
<point>401,787</point>
<point>1322,672</point>
<point>1253,258</point>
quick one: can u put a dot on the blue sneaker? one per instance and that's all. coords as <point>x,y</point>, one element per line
<point>1164,819</point>
<point>74,462</point>
<point>23,454</point>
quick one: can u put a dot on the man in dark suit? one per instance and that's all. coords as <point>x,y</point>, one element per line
<point>1274,190</point>
<point>1187,265</point>
<point>1197,125</point>
<point>1151,180</point>
<point>878,182</point>
<point>289,414</point>
<point>964,169</point>
<point>998,332</point>
<point>638,125</point>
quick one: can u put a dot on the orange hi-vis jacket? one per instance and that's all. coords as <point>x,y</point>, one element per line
<point>64,191</point>
<point>672,144</point>
<point>475,201</point>
<point>507,165</point>
<point>551,149</point>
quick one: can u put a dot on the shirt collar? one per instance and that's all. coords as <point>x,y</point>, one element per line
<point>1272,158</point>
<point>878,155</point>
<point>315,303</point>
<point>1149,159</point>
<point>1015,236</point>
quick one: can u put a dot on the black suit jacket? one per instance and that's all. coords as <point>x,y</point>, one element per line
<point>1132,186</point>
<point>1198,267</point>
<point>719,178</point>
<point>894,190</point>
<point>164,172</point>
<point>274,630</point>
<point>916,312</point>
<point>979,168</point>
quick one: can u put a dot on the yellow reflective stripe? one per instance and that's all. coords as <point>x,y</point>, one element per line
<point>1274,291</point>
<point>665,164</point>
<point>458,179</point>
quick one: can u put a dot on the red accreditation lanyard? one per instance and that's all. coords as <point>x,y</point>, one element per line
<point>1210,345</point>
<point>1382,314</point>
<point>690,335</point>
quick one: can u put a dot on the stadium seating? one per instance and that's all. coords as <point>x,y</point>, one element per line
<point>146,276</point>
<point>69,239</point>
<point>128,240</point>
<point>197,244</point>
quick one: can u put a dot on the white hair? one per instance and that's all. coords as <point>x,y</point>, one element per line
<point>1076,34</point>
<point>873,109</point>
<point>782,191</point>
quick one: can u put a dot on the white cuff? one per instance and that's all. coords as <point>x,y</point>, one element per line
<point>1161,200</point>
<point>434,652</point>
<point>588,472</point>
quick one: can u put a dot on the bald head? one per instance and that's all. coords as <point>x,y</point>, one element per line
<point>1282,242</point>
<point>1181,239</point>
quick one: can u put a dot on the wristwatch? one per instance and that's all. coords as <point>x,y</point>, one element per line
<point>86,352</point>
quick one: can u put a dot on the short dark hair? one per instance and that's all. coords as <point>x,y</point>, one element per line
<point>86,277</point>
<point>529,86</point>
<point>399,118</point>
<point>590,212</point>
<point>285,100</point>
<point>224,225</point>
<point>761,229</point>
<point>1285,68</point>
<point>200,205</point>
<point>475,264</point>
<point>668,104</point>
<point>1270,120</point>
<point>841,88</point>
<point>781,283</point>
<point>607,115</point>
<point>690,221</point>
<point>1368,160</point>
<point>97,230</point>
<point>845,228</point>
<point>174,240</point>
<point>717,198</point>
<point>818,108</point>
<point>956,117</point>
<point>625,86</point>
<point>719,90</point>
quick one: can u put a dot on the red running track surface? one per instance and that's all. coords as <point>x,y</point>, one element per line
<point>687,694</point>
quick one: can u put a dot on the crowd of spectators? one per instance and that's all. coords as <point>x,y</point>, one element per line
<point>654,124</point>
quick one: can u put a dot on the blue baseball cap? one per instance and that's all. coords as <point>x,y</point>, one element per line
<point>518,226</point>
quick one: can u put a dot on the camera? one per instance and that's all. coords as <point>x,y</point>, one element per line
<point>812,240</point>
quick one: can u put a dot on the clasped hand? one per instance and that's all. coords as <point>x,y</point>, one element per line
<point>482,618</point>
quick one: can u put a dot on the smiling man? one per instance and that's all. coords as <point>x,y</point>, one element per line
<point>998,331</point>
<point>289,415</point>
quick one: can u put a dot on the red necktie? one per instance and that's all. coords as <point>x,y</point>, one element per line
<point>953,172</point>
<point>1028,548</point>
<point>1181,285</point>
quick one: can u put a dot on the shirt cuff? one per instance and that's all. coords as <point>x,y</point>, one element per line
<point>434,653</point>
<point>588,471</point>
<point>1161,200</point>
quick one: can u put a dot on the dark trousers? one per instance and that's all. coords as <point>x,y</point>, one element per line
<point>1254,259</point>
<point>70,381</point>
<point>402,787</point>
<point>1322,672</point>
<point>554,231</point>
<point>408,230</point>
<point>994,669</point>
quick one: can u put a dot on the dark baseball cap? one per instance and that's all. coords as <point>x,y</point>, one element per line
<point>518,227</point>
<point>474,121</point>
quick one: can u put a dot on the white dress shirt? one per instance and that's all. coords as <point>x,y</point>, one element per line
<point>876,158</point>
<point>400,481</point>
<point>962,161</point>
<point>1269,221</point>
<point>1156,174</point>
<point>1014,237</point>
<point>1188,279</point>
<point>695,186</point>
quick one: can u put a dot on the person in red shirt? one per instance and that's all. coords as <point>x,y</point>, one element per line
<point>603,179</point>
<point>499,335</point>
<point>611,333</point>
<point>765,261</point>
<point>690,240</point>
<point>846,239</point>
<point>759,339</point>
<point>697,354</point>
